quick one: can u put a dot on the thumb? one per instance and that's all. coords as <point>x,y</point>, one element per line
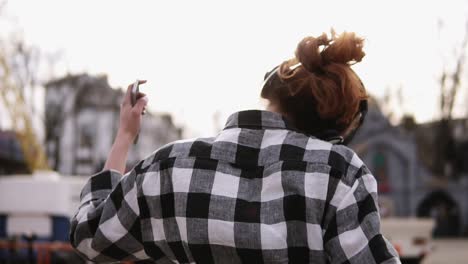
<point>141,104</point>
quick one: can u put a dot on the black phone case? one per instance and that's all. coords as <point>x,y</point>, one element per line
<point>133,100</point>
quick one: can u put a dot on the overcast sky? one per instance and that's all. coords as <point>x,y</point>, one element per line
<point>200,57</point>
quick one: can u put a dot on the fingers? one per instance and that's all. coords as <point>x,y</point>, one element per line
<point>140,105</point>
<point>140,95</point>
<point>128,93</point>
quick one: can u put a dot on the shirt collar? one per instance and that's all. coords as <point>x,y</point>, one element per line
<point>258,119</point>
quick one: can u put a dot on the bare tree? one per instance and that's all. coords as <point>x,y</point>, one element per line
<point>19,79</point>
<point>445,154</point>
<point>450,82</point>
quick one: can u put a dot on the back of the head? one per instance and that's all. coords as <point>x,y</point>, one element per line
<point>317,90</point>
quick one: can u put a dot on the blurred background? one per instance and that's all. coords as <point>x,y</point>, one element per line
<point>64,64</point>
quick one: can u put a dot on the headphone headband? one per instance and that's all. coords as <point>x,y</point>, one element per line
<point>274,72</point>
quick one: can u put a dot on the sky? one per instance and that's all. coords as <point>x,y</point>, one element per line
<point>206,57</point>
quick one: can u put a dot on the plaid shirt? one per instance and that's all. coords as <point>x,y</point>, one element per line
<point>259,192</point>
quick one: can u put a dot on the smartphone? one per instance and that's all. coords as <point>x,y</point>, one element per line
<point>135,92</point>
<point>133,99</point>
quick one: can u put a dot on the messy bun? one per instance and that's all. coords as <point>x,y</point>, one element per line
<point>319,89</point>
<point>345,49</point>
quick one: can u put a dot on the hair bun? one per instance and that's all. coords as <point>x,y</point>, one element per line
<point>329,98</point>
<point>345,48</point>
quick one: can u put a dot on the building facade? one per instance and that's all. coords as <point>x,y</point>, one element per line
<point>407,186</point>
<point>82,115</point>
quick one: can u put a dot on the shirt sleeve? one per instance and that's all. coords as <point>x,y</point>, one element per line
<point>107,227</point>
<point>353,234</point>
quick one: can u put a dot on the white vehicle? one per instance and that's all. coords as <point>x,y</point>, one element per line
<point>40,204</point>
<point>411,237</point>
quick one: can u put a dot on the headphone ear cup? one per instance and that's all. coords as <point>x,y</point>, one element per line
<point>363,107</point>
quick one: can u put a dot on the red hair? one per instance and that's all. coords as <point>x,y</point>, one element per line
<point>322,93</point>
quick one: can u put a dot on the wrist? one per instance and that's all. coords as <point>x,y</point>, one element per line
<point>117,158</point>
<point>123,140</point>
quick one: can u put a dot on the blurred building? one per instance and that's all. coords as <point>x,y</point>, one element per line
<point>12,160</point>
<point>82,115</point>
<point>400,158</point>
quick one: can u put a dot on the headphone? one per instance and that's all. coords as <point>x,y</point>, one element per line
<point>331,135</point>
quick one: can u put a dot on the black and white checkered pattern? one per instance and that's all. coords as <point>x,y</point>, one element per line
<point>259,192</point>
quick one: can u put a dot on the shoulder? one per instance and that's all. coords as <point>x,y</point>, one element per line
<point>177,149</point>
<point>347,163</point>
<point>343,163</point>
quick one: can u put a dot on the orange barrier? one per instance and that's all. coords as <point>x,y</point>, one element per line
<point>43,249</point>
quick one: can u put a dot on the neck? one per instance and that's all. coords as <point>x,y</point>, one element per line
<point>273,108</point>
